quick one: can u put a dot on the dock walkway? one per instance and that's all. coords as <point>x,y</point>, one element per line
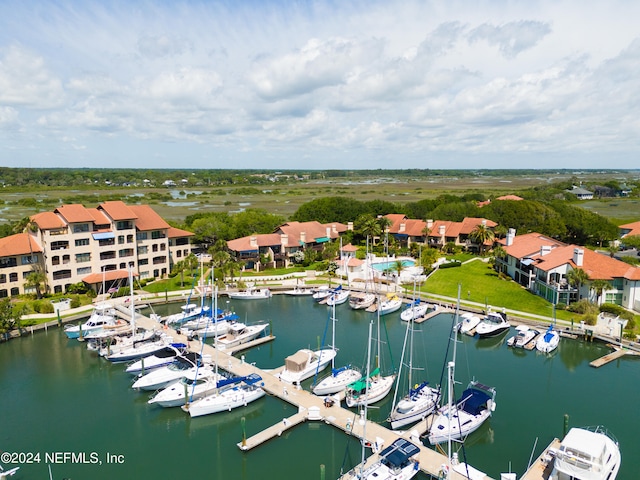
<point>610,357</point>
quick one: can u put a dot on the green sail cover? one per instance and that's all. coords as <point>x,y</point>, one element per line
<point>361,385</point>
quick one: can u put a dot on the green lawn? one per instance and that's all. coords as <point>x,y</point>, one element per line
<point>481,284</point>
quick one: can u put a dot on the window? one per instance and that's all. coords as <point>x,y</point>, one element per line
<point>55,260</point>
<point>57,289</point>
<point>60,245</point>
<point>8,262</point>
<point>125,252</point>
<point>107,255</point>
<point>141,235</point>
<point>15,291</point>
<point>61,274</point>
<point>156,272</point>
<point>157,260</point>
<point>182,241</point>
<point>143,250</point>
<point>84,271</point>
<point>129,238</point>
<point>157,234</point>
<point>120,239</point>
<point>178,254</point>
<point>82,227</point>
<point>142,261</point>
<point>66,259</point>
<point>163,247</point>
<point>83,257</point>
<point>82,242</point>
<point>123,266</point>
<point>123,225</point>
<point>154,248</point>
<point>107,242</point>
<point>3,278</point>
<point>3,294</point>
<point>13,277</point>
<point>29,259</point>
<point>25,275</point>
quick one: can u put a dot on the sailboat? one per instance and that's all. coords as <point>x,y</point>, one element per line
<point>456,421</point>
<point>372,389</point>
<point>420,400</point>
<point>362,300</point>
<point>340,377</point>
<point>398,461</point>
<point>230,392</point>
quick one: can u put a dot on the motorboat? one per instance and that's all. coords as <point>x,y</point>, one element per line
<point>196,385</point>
<point>102,317</point>
<point>369,390</point>
<point>458,420</point>
<point>182,366</point>
<point>188,312</point>
<point>590,453</point>
<point>138,349</point>
<point>415,309</point>
<point>251,294</point>
<point>524,335</point>
<point>360,301</point>
<point>398,461</point>
<point>305,363</point>
<point>321,293</point>
<point>390,304</point>
<point>549,341</point>
<point>230,393</point>
<point>159,359</point>
<point>492,325</point>
<point>240,333</point>
<point>468,324</point>
<point>298,292</point>
<point>338,297</point>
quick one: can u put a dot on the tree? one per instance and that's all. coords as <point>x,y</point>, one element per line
<point>480,235</point>
<point>367,226</point>
<point>180,267</point>
<point>9,318</point>
<point>577,277</point>
<point>36,279</point>
<point>331,270</point>
<point>599,286</point>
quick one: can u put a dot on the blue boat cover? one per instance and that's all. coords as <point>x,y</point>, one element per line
<point>415,391</point>
<point>336,371</point>
<point>473,400</point>
<point>398,453</point>
<point>549,335</point>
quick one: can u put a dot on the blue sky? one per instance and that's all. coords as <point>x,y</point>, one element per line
<point>320,84</point>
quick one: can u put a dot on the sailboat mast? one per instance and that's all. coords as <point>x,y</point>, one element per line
<point>366,394</point>
<point>333,333</point>
<point>452,369</point>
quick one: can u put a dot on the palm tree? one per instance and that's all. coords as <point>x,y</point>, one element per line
<point>367,226</point>
<point>480,235</point>
<point>398,267</point>
<point>577,277</point>
<point>599,286</point>
<point>426,231</point>
<point>36,279</point>
<point>180,267</point>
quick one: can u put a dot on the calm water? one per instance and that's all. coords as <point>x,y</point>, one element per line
<point>58,397</point>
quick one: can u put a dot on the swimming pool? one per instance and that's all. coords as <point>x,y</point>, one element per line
<point>382,266</point>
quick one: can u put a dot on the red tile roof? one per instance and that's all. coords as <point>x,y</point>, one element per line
<point>349,248</point>
<point>510,197</point>
<point>470,223</point>
<point>263,240</point>
<point>173,232</point>
<point>74,213</point>
<point>147,219</point>
<point>313,230</point>
<point>18,244</point>
<point>107,276</point>
<point>634,229</point>
<point>529,244</point>
<point>48,221</point>
<point>117,210</point>
<point>99,218</point>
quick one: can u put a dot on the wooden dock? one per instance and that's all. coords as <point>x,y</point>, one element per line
<point>346,420</point>
<point>541,468</point>
<point>431,314</point>
<point>618,353</point>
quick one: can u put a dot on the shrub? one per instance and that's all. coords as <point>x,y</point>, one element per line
<point>450,264</point>
<point>75,302</point>
<point>584,306</point>
<point>591,319</point>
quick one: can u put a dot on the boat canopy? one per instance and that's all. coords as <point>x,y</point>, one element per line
<point>297,361</point>
<point>397,454</point>
<point>361,384</point>
<point>474,400</point>
<point>336,371</point>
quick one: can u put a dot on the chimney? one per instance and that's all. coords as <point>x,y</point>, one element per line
<point>403,226</point>
<point>253,241</point>
<point>284,239</point>
<point>328,229</point>
<point>511,234</point>
<point>441,230</point>
<point>334,229</point>
<point>303,237</point>
<point>544,249</point>
<point>350,226</point>
<point>578,256</point>
<point>484,222</point>
<point>429,223</point>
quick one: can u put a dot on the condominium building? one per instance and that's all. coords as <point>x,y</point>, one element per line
<point>74,244</point>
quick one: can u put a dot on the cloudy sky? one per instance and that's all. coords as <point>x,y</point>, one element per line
<point>320,84</point>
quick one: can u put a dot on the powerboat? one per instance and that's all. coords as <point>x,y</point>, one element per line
<point>415,309</point>
<point>188,312</point>
<point>196,385</point>
<point>468,324</point>
<point>321,293</point>
<point>549,341</point>
<point>231,393</point>
<point>390,304</point>
<point>138,349</point>
<point>102,317</point>
<point>240,333</point>
<point>589,453</point>
<point>298,292</point>
<point>159,359</point>
<point>182,366</point>
<point>305,363</point>
<point>458,420</point>
<point>492,325</point>
<point>251,294</point>
<point>524,335</point>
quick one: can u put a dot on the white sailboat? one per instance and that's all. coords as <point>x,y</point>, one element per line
<point>340,377</point>
<point>398,461</point>
<point>421,400</point>
<point>159,359</point>
<point>183,366</point>
<point>390,304</point>
<point>455,421</point>
<point>548,342</point>
<point>305,363</point>
<point>240,333</point>
<point>373,388</point>
<point>338,297</point>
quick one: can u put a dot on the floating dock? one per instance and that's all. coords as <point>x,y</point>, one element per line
<point>618,353</point>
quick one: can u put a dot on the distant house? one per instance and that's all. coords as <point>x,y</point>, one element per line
<point>581,193</point>
<point>168,183</point>
<point>503,197</point>
<point>541,264</point>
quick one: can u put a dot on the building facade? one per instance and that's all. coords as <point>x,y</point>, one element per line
<point>74,244</point>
